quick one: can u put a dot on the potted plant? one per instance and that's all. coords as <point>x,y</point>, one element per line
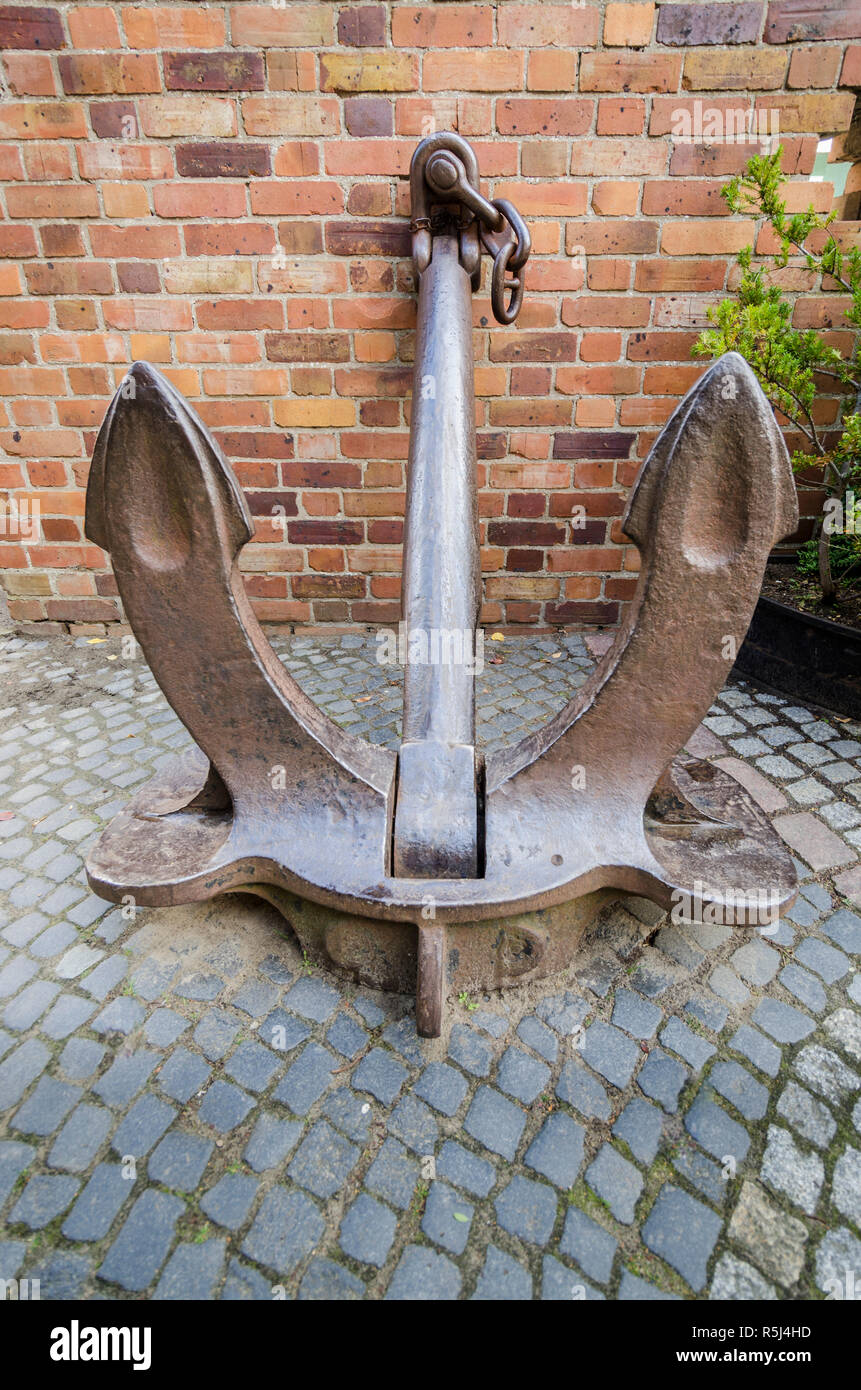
<point>805,637</point>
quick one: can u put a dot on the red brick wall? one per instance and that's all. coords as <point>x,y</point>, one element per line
<point>221,190</point>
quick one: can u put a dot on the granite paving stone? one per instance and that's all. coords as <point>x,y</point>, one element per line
<point>224,1107</point>
<point>442,1087</point>
<point>80,1138</point>
<point>683,1231</point>
<point>412,1122</point>
<point>192,1272</point>
<point>465,1169</point>
<point>229,1201</point>
<point>179,1161</point>
<point>286,1229</point>
<point>804,987</point>
<point>447,1218</point>
<point>323,1161</point>
<point>562,1285</point>
<point>589,1245</point>
<point>635,1014</point>
<point>393,1174</point>
<point>640,1125</point>
<point>368,1231</point>
<point>716,1132</point>
<point>521,1076</point>
<point>422,1275</point>
<point>787,1168</point>
<point>305,1081</point>
<point>616,1181</point>
<point>610,1053</point>
<point>469,1050</point>
<point>495,1122</point>
<point>99,1203</point>
<point>43,1199</point>
<point>381,1074</point>
<point>193,1109</point>
<point>662,1078</point>
<point>556,1152</point>
<point>47,1107</point>
<point>502,1279</point>
<point>783,1022</point>
<point>741,1089</point>
<point>580,1089</point>
<point>142,1126</point>
<point>536,1035</point>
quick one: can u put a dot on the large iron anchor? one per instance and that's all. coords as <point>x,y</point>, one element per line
<point>434,869</point>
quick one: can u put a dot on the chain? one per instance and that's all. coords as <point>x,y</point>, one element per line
<point>502,231</point>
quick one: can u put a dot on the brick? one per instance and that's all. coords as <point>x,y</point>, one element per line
<point>294,26</point>
<point>628,26</point>
<point>758,69</point>
<point>61,200</point>
<point>199,200</point>
<point>229,160</point>
<point>824,112</point>
<point>29,74</point>
<point>94,27</point>
<point>850,75</point>
<point>630,72</point>
<point>697,238</point>
<point>98,74</point>
<point>290,116</point>
<point>368,72</point>
<point>124,161</point>
<point>163,26</point>
<point>368,157</point>
<point>539,116</point>
<point>601,156</point>
<point>50,120</point>
<point>214,72</point>
<point>621,116</point>
<point>291,71</point>
<point>592,310</point>
<point>363,26</point>
<point>788,21</point>
<point>185,115</point>
<point>369,116</point>
<point>696,24</point>
<point>494,70</point>
<point>31,26</point>
<point>575,26</point>
<point>551,71</point>
<point>455,26</point>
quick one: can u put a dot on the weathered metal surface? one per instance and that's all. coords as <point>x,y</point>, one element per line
<point>406,856</point>
<point>436,833</point>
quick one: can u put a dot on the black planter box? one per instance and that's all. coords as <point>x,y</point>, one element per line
<point>809,658</point>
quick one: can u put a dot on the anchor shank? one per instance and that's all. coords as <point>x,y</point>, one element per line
<point>436,831</point>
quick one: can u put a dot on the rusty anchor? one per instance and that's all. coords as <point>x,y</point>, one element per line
<point>436,869</point>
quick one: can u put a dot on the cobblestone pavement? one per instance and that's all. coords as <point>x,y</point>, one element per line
<point>189,1111</point>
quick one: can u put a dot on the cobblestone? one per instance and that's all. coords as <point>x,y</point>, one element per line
<point>309,1126</point>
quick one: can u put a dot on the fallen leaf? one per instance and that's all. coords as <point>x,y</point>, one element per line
<point>496,661</point>
<point>459,1216</point>
<point>91,641</point>
<point>554,655</point>
<point>497,637</point>
<point>7,815</point>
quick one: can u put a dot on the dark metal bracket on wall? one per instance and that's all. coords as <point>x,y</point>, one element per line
<point>436,869</point>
